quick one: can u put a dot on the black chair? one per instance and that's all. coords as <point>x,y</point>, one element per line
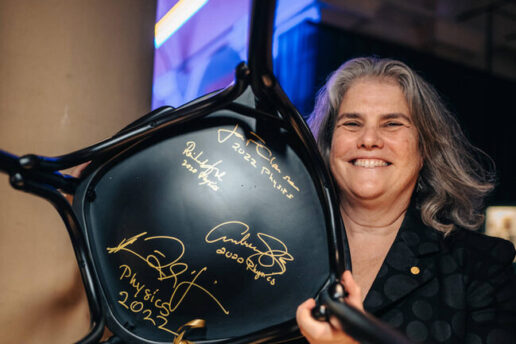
<point>208,223</point>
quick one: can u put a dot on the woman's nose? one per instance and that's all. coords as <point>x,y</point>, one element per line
<point>370,138</point>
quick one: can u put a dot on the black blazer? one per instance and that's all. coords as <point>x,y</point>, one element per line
<point>455,289</point>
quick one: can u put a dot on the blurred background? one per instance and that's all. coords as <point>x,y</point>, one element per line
<point>465,48</point>
<point>73,72</point>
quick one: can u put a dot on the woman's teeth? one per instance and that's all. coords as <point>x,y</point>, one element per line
<point>369,163</point>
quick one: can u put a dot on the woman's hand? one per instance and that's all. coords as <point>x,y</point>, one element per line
<point>321,332</point>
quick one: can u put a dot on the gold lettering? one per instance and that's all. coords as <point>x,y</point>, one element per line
<point>268,260</point>
<point>171,269</point>
<point>291,182</point>
<point>214,235</point>
<point>127,271</point>
<point>189,285</point>
<point>220,134</point>
<point>207,169</point>
<point>274,165</point>
<point>190,146</point>
<point>136,284</point>
<point>125,243</point>
<point>261,151</point>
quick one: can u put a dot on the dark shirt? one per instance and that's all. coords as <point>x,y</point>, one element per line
<point>459,288</point>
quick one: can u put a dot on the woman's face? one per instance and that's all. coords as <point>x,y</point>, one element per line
<point>374,152</point>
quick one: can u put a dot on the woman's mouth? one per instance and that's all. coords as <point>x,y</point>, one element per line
<point>369,163</point>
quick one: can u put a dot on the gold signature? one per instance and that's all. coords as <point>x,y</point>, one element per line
<point>263,152</point>
<point>166,268</point>
<point>276,184</point>
<point>207,170</point>
<point>270,255</point>
<point>261,149</point>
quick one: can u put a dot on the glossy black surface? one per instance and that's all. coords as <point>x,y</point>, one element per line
<point>214,220</point>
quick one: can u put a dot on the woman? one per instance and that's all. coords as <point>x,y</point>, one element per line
<point>411,189</point>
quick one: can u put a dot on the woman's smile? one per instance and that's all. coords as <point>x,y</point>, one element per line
<point>374,153</point>
<point>369,163</point>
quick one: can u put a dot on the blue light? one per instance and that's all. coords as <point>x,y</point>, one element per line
<point>175,18</point>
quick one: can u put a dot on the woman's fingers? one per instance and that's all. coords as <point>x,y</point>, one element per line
<point>354,297</point>
<point>318,332</point>
<point>304,316</point>
<point>314,331</point>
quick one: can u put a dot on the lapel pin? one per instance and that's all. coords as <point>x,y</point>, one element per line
<point>415,270</point>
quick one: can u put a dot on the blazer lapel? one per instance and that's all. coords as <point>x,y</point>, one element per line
<point>406,267</point>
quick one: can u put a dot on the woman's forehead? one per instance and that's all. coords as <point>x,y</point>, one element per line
<point>374,95</point>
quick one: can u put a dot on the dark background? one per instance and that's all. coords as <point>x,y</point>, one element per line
<point>484,104</point>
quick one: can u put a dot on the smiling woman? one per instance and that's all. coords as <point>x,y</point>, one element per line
<point>410,189</point>
<point>374,153</point>
<point>452,180</point>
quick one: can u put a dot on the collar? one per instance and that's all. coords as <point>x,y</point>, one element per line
<point>408,265</point>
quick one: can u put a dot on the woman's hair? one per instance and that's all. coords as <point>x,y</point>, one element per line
<point>452,183</point>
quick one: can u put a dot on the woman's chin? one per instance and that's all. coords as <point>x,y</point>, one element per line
<point>368,194</point>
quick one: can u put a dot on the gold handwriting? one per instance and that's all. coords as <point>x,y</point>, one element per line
<point>263,153</point>
<point>136,306</point>
<point>269,256</point>
<point>275,184</point>
<point>189,166</point>
<point>289,180</point>
<point>166,268</point>
<point>246,156</point>
<point>261,149</point>
<point>208,171</point>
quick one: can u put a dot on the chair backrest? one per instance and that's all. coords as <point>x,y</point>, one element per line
<point>220,218</point>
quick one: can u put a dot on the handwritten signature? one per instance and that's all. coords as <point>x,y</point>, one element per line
<point>207,170</point>
<point>172,269</point>
<point>270,255</point>
<point>263,152</point>
<point>261,149</point>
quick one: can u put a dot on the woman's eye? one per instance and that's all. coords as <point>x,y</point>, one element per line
<point>393,124</point>
<point>351,124</point>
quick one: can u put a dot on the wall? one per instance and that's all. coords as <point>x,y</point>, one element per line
<point>71,73</point>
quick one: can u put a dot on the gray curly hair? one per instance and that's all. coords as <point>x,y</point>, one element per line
<point>453,182</point>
